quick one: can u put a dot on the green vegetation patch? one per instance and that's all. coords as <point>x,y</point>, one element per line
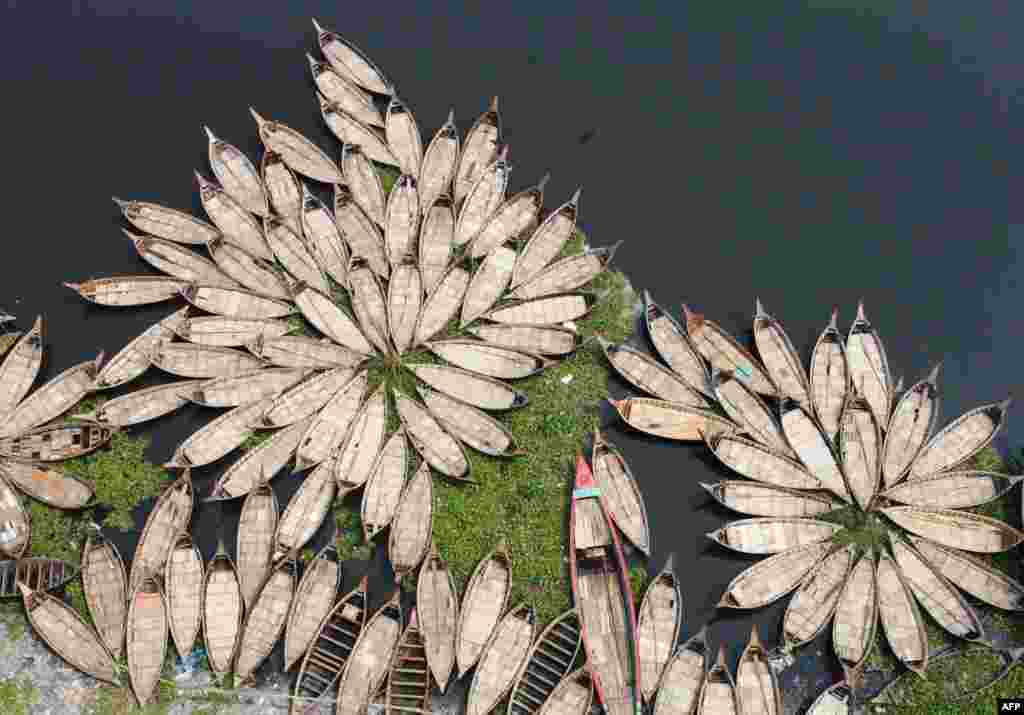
<point>17,696</point>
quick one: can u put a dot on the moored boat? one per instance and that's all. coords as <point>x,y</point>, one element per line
<point>368,663</point>
<point>184,584</point>
<point>133,359</point>
<point>405,298</point>
<point>298,153</point>
<point>223,608</point>
<point>314,598</point>
<point>439,162</point>
<point>255,540</point>
<point>536,339</point>
<point>403,137</point>
<point>547,241</point>
<point>912,423</point>
<point>435,445</point>
<point>265,621</point>
<point>815,601</point>
<point>483,198</point>
<point>769,500</point>
<point>661,613</point>
<point>413,524</point>
<point>747,409</point>
<point>487,284</point>
<point>442,303</point>
<point>860,444</point>
<point>672,420</point>
<point>351,62</point>
<point>146,637</point>
<point>757,687</point>
<point>869,366</point>
<point>501,660</point>
<point>363,182</point>
<point>898,614</point>
<point>282,186</point>
<point>511,220</point>
<point>972,575</point>
<point>813,448</point>
<point>681,684</point>
<point>952,490</point>
<point>401,220</point>
<point>232,219</point>
<point>478,151</point>
<point>487,359</point>
<point>547,666</point>
<point>769,580</point>
<point>725,353</point>
<point>549,310</point>
<point>757,462</point>
<point>484,602</point>
<point>52,486</point>
<point>167,223</point>
<point>781,360</point>
<point>567,274</point>
<point>650,377</point>
<point>237,175</point>
<point>438,602</point>
<point>856,618</point>
<point>674,346</point>
<point>960,440</point>
<point>470,425</point>
<point>477,390</point>
<point>772,535</point>
<point>408,688</point>
<point>437,229</point>
<point>621,492</point>
<point>170,516</point>
<point>956,529</point>
<point>718,693</point>
<point>105,586</point>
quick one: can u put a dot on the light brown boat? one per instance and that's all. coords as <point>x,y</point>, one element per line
<point>501,661</point>
<point>479,150</point>
<point>679,693</point>
<point>534,339</point>
<point>439,161</point>
<point>268,458</point>
<point>298,153</point>
<point>674,347</point>
<point>265,621</point>
<point>54,487</point>
<point>408,687</point>
<point>718,692</point>
<point>134,358</point>
<point>363,236</point>
<point>485,600</point>
<point>573,695</point>
<point>856,618</point>
<point>781,360</point>
<point>650,377</point>
<point>178,261</point>
<point>441,304</point>
<point>657,628</point>
<point>369,305</point>
<point>972,575</point>
<point>306,511</point>
<point>813,448</point>
<point>184,582</point>
<point>473,389</point>
<point>14,522</point>
<point>255,540</point>
<point>330,424</point>
<point>748,410</point>
<point>384,486</point>
<point>128,290</point>
<point>621,493</point>
<point>952,490</point>
<point>105,585</point>
<point>912,423</point>
<point>8,339</point>
<point>474,427</point>
<point>483,198</point>
<point>256,274</point>
<point>757,687</point>
<point>234,221</point>
<point>55,443</point>
<point>772,535</point>
<point>368,663</point>
<point>517,216</point>
<point>283,190</point>
<point>544,675</point>
<point>167,223</point>
<point>860,445</point>
<point>363,182</point>
<point>300,351</point>
<point>960,440</point>
<point>757,462</point>
<point>170,516</point>
<point>314,599</point>
<point>815,601</point>
<point>901,621</point>
<point>869,367</point>
<point>725,353</point>
<point>237,175</point>
<point>412,525</point>
<point>549,310</point>
<point>569,274</point>
<point>836,700</point>
<point>435,445</point>
<point>230,332</point>
<point>53,399</point>
<point>329,318</point>
<point>354,460</point>
<point>222,611</point>
<point>246,388</point>
<point>202,361</point>
<point>487,285</point>
<point>146,638</point>
<point>403,137</point>
<point>956,529</point>
<point>547,241</point>
<point>293,253</point>
<point>405,298</point>
<point>438,601</point>
<point>402,220</point>
<point>487,359</point>
<point>671,420</point>
<point>351,62</point>
<point>304,399</point>
<point>769,580</point>
<point>324,239</point>
<point>769,500</point>
<point>218,437</point>
<point>340,90</point>
<point>21,367</point>
<point>435,241</point>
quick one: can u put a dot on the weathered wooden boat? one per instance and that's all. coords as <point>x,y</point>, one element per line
<point>483,198</point>
<point>53,399</point>
<point>294,255</point>
<point>438,601</point>
<point>14,523</point>
<point>283,190</point>
<point>511,220</point>
<point>146,638</point>
<point>620,492</point>
<point>769,500</point>
<point>671,420</point>
<point>757,462</point>
<point>769,580</point>
<point>178,261</point>
<point>912,423</point>
<point>20,367</point>
<point>408,687</point>
<point>573,695</point>
<point>972,575</point>
<point>8,339</point>
<point>340,90</point>
<point>237,175</point>
<point>901,621</point>
<point>534,339</point>
<point>479,150</point>
<point>351,62</point>
<point>255,540</point>
<point>439,162</point>
<point>362,235</point>
<point>105,586</point>
<point>369,305</point>
<point>234,302</point>
<point>718,692</point>
<point>748,410</point>
<point>413,524</point>
<point>68,635</point>
<point>680,688</point>
<point>429,438</point>
<point>813,448</point>
<point>403,137</point>
<point>54,487</point>
<point>314,599</point>
<point>304,399</point>
<point>815,601</point>
<point>184,582</point>
<point>128,290</point>
<point>547,667</point>
<point>657,629</point>
<point>725,353</point>
<point>473,389</point>
<point>246,388</point>
<point>230,332</point>
<point>202,361</point>
<point>869,367</point>
<point>170,516</point>
<point>306,511</point>
<point>298,153</point>
<point>643,372</point>
<point>256,274</point>
<point>860,447</point>
<point>502,660</point>
<point>441,304</point>
<point>952,490</point>
<point>329,318</point>
<point>300,351</point>
<point>781,360</point>
<point>568,274</point>
<point>435,241</point>
<point>38,573</point>
<point>547,241</point>
<point>354,460</point>
<point>265,460</point>
<point>483,603</point>
<point>384,486</point>
<point>405,298</point>
<point>549,310</point>
<point>757,687</point>
<point>331,423</point>
<point>487,359</point>
<point>163,222</point>
<point>324,238</point>
<point>218,437</point>
<point>856,618</point>
<point>134,358</point>
<point>266,619</point>
<point>368,663</point>
<point>222,611</point>
<point>835,700</point>
<point>674,347</point>
<point>363,182</point>
<point>956,529</point>
<point>402,220</point>
<point>771,535</point>
<point>602,593</point>
<point>234,221</point>
<point>960,440</point>
<point>466,423</point>
<point>487,285</point>
<point>56,443</point>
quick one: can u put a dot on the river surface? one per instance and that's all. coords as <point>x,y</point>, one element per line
<point>809,157</point>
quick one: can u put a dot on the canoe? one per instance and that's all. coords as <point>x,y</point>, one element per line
<point>486,359</point>
<point>912,423</point>
<point>972,575</point>
<point>718,692</point>
<point>748,410</point>
<point>439,161</point>
<point>329,318</point>
<point>511,220</point>
<point>403,137</point>
<point>354,460</point>
<point>772,535</point>
<point>466,423</point>
<point>219,437</point>
<point>535,339</point>
<point>298,153</point>
<point>602,593</point>
<point>769,500</point>
<point>671,420</point>
<point>369,305</point>
<point>901,621</point>
<point>293,253</point>
<point>401,220</point>
<point>237,175</point>
<point>325,240</point>
<point>435,242</point>
<point>548,663</point>
<point>813,448</point>
<point>266,619</point>
<point>300,351</point>
<point>105,586</point>
<point>780,358</point>
<point>483,198</point>
<point>363,182</point>
<point>170,516</point>
<point>15,520</point>
<point>351,62</point>
<point>166,223</point>
<point>568,274</point>
<point>412,525</point>
<point>441,304</point>
<point>38,573</point>
<point>331,423</point>
<point>314,599</point>
<point>255,541</point>
<point>674,347</point>
<point>815,601</point>
<point>757,462</point>
<point>235,222</point>
<point>305,512</point>
<point>134,358</point>
<point>340,90</point>
<point>222,611</point>
<point>757,687</point>
<point>8,339</point>
<point>428,437</point>
<point>405,298</point>
<point>869,367</point>
<point>549,310</point>
<point>283,190</point>
<point>473,389</point>
<point>856,618</point>
<point>68,635</point>
<point>547,242</point>
<point>621,493</point>
<point>956,529</point>
<point>184,582</point>
<point>648,376</point>
<point>485,599</point>
<point>368,664</point>
<point>304,399</point>
<point>502,660</point>
<point>246,388</point>
<point>363,236</point>
<point>960,440</point>
<point>56,443</point>
<point>256,274</point>
<point>230,332</point>
<point>438,601</point>
<point>657,629</point>
<point>680,688</point>
<point>20,367</point>
<point>146,638</point>
<point>54,487</point>
<point>408,687</point>
<point>202,361</point>
<point>384,487</point>
<point>952,490</point>
<point>178,261</point>
<point>52,400</point>
<point>262,461</point>
<point>769,580</point>
<point>835,700</point>
<point>479,150</point>
<point>128,290</point>
<point>573,695</point>
<point>725,353</point>
<point>860,446</point>
<point>487,285</point>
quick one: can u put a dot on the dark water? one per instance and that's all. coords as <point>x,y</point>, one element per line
<point>806,156</point>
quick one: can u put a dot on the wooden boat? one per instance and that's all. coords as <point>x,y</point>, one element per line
<point>771,535</point>
<point>222,611</point>
<point>255,541</point>
<point>972,575</point>
<point>266,619</point>
<point>266,459</point>
<point>329,318</point>
<point>952,490</point>
<point>869,367</point>
<point>485,599</point>
<point>853,630</point>
<point>304,399</point>
<point>20,367</point>
<point>170,516</point>
<point>718,692</point>
<point>354,460</point>
<point>479,151</point>
<point>105,586</point>
<point>351,62</point>
<point>296,151</point>
<point>384,486</point>
<point>441,304</point>
<point>256,274</point>
<point>14,523</point>
<point>237,175</point>
<point>331,423</point>
<point>300,351</point>
<point>435,242</point>
<point>314,599</point>
<point>547,667</point>
<point>405,298</point>
<point>960,440</point>
<point>813,448</point>
<point>657,630</point>
<point>8,339</point>
<point>166,223</point>
<point>757,462</point>
<point>748,410</point>
<point>413,524</point>
<point>956,529</point>
<point>234,221</point>
<point>487,285</point>
<point>487,359</point>
<point>38,573</point>
<point>835,700</point>
<point>769,500</point>
<point>230,332</point>
<point>511,220</point>
<point>502,660</point>
<point>368,663</point>
<point>306,511</point>
<point>725,353</point>
<point>780,358</point>
<point>184,583</point>
<point>324,238</point>
<point>680,688</point>
<point>769,580</point>
<point>535,339</point>
<point>403,137</point>
<point>671,420</point>
<point>363,182</point>
<point>340,90</point>
<point>56,443</point>
<point>52,400</point>
<point>757,687</point>
<point>549,310</point>
<point>815,601</point>
<point>283,190</point>
<point>643,372</point>
<point>568,274</point>
<point>483,198</point>
<point>246,388</point>
<point>860,447</point>
<point>602,593</point>
<point>621,493</point>
<point>68,635</point>
<point>408,687</point>
<point>674,347</point>
<point>434,444</point>
<point>402,220</point>
<point>474,427</point>
<point>202,361</point>
<point>473,389</point>
<point>439,161</point>
<point>901,621</point>
<point>912,423</point>
<point>293,254</point>
<point>134,358</point>
<point>218,437</point>
<point>363,236</point>
<point>54,487</point>
<point>438,601</point>
<point>547,242</point>
<point>369,304</point>
<point>146,638</point>
<point>128,290</point>
<point>178,261</point>
<point>325,659</point>
<point>573,695</point>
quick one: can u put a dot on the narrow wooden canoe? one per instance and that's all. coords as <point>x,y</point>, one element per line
<point>502,660</point>
<point>184,582</point>
<point>413,523</point>
<point>487,285</point>
<point>757,687</point>
<point>405,298</point>
<point>230,332</point>
<point>142,405</point>
<point>972,575</point>
<point>674,347</point>
<point>351,62</point>
<point>956,529</point>
<point>265,621</point>
<point>163,222</point>
<point>438,601</point>
<point>54,487</point>
<point>304,399</point>
<point>479,151</point>
<point>815,601</point>
<point>170,516</point>
<point>671,420</point>
<point>134,358</point>
<point>299,153</point>
<point>487,359</point>
<point>340,90</point>
<point>913,422</point>
<point>223,607</point>
<point>363,182</point>
<point>769,500</point>
<point>53,399</point>
<point>679,693</point>
<point>105,585</point>
<point>853,630</point>
<point>483,198</point>
<point>535,339</point>
<point>435,242</point>
<point>178,261</point>
<point>237,175</point>
<point>952,490</point>
<point>38,573</point>
<point>384,487</point>
<point>202,361</point>
<point>255,273</point>
<point>14,523</point>
<point>128,290</point>
<point>283,190</point>
<point>718,692</point>
<point>369,305</point>
<point>813,448</point>
<point>547,241</point>
<point>236,224</point>
<point>300,351</point>
<point>408,687</point>
<point>324,239</point>
<point>368,663</point>
<point>860,448</point>
<point>569,274</point>
<point>473,389</point>
<point>901,621</point>
<point>362,235</point>
<point>403,137</point>
<point>265,460</point>
<point>20,367</point>
<point>573,695</point>
<point>439,162</point>
<point>657,629</point>
<point>620,492</point>
<point>330,424</point>
<point>769,580</point>
<point>246,388</point>
<point>314,599</point>
<point>255,541</point>
<point>869,367</point>
<point>294,255</point>
<point>306,511</point>
<point>354,460</point>
<point>146,638</point>
<point>402,220</point>
<point>647,375</point>
<point>748,410</point>
<point>218,437</point>
<point>484,602</point>
<point>772,535</point>
<point>474,427</point>
<point>547,666</point>
<point>757,462</point>
<point>781,360</point>
<point>56,443</point>
<point>961,439</point>
<point>835,700</point>
<point>441,304</point>
<point>329,318</point>
<point>428,437</point>
<point>8,339</point>
<point>511,220</point>
<point>549,310</point>
<point>725,353</point>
